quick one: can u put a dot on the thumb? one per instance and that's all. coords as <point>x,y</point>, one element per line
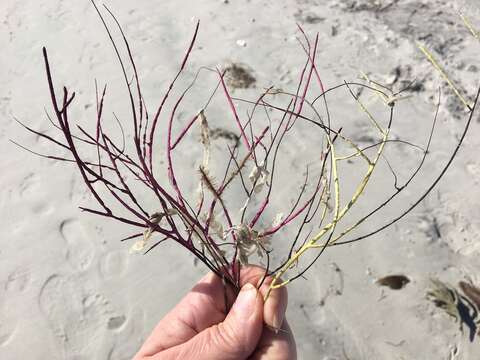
<point>235,338</point>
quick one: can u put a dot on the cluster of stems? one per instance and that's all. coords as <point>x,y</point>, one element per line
<point>221,235</point>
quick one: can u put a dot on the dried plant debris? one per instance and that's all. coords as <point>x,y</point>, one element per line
<point>205,139</point>
<point>249,242</point>
<point>444,297</point>
<point>115,173</point>
<point>308,17</point>
<point>394,282</point>
<point>430,227</point>
<point>454,304</point>
<point>239,76</point>
<point>230,136</point>
<point>259,177</point>
<point>366,5</point>
<point>155,219</point>
<point>404,77</point>
<point>471,292</point>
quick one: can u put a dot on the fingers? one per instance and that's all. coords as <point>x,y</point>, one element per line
<point>273,345</point>
<point>276,345</point>
<point>276,303</point>
<point>235,338</point>
<point>201,308</point>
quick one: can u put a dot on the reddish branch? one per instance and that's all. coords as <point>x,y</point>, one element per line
<point>107,177</point>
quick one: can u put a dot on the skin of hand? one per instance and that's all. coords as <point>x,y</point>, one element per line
<point>198,327</point>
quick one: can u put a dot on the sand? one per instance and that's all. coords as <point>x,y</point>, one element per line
<point>70,290</point>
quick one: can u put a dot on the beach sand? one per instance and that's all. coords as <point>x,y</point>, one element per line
<point>70,290</point>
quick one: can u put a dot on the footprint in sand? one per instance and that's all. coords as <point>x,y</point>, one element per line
<point>113,264</point>
<point>130,337</point>
<point>7,332</point>
<point>42,208</point>
<point>7,323</point>
<point>80,251</point>
<point>16,283</point>
<point>29,185</point>
<point>79,319</point>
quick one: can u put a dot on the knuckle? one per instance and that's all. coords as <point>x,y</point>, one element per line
<point>227,338</point>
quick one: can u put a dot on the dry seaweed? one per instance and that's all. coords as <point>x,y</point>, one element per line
<point>239,76</point>
<point>230,136</point>
<point>447,298</point>
<point>471,292</point>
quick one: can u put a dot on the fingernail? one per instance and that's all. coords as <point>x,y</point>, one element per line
<point>278,321</point>
<point>244,306</point>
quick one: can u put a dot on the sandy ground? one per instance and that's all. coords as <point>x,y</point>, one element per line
<point>70,290</point>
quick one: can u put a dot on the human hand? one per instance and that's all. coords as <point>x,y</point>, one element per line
<point>198,328</point>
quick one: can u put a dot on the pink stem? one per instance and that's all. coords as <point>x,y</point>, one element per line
<point>234,111</point>
<point>184,131</point>
<point>159,110</point>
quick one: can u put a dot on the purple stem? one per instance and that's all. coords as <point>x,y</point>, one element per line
<point>234,111</point>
